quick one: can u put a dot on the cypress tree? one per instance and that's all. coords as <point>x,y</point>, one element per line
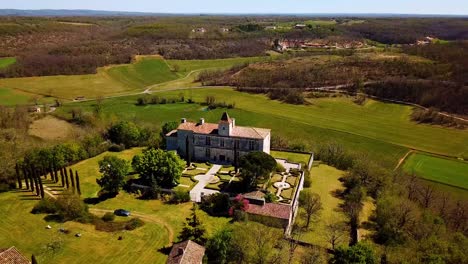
<point>78,189</point>
<point>18,176</point>
<point>36,181</point>
<point>41,186</point>
<point>66,178</point>
<point>72,180</point>
<point>25,175</point>
<point>33,260</point>
<point>62,177</point>
<point>31,180</point>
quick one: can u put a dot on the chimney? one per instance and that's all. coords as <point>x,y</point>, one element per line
<point>202,121</point>
<point>233,122</point>
<point>183,120</point>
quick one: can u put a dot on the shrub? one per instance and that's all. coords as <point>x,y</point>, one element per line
<point>270,197</point>
<point>307,179</point>
<point>280,168</point>
<point>116,148</point>
<point>108,217</point>
<point>45,206</point>
<point>217,204</point>
<point>134,224</point>
<point>180,196</point>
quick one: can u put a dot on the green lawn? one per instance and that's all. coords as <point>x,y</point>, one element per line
<point>144,72</point>
<point>325,182</point>
<point>5,62</point>
<point>20,228</point>
<point>9,97</point>
<point>383,131</point>
<point>291,156</point>
<point>89,170</point>
<point>438,169</point>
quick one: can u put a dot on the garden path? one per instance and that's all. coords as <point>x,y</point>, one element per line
<point>199,190</point>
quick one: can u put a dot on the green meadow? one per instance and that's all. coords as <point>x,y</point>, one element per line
<point>121,79</point>
<point>438,169</point>
<point>5,62</point>
<point>163,222</point>
<point>379,130</point>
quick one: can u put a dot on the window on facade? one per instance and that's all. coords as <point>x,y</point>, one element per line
<point>208,141</point>
<point>221,143</point>
<point>236,143</point>
<point>251,145</point>
<point>207,153</point>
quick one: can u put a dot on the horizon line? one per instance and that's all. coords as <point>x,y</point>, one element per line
<point>243,13</point>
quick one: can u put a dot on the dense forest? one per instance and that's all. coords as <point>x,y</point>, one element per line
<point>78,45</point>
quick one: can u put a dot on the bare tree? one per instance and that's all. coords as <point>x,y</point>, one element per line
<point>426,195</point>
<point>335,233</point>
<point>312,256</point>
<point>296,236</point>
<point>311,203</point>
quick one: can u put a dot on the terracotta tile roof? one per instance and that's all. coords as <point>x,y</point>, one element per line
<point>173,133</point>
<point>212,129</point>
<point>281,211</point>
<point>187,252</point>
<point>12,256</point>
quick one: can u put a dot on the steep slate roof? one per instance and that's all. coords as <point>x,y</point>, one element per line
<point>12,256</point>
<point>225,118</point>
<point>281,211</point>
<point>192,253</point>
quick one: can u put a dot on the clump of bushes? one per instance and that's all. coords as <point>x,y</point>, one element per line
<point>217,204</point>
<point>180,196</point>
<point>108,217</point>
<point>431,116</point>
<point>210,101</point>
<point>155,99</point>
<point>45,206</point>
<point>280,168</point>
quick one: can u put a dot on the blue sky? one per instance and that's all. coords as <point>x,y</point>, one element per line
<point>252,6</point>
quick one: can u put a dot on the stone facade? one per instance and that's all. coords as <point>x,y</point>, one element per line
<point>217,142</point>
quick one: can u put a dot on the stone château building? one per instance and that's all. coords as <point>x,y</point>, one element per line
<point>217,142</point>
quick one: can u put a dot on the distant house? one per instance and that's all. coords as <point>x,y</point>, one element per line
<point>34,109</point>
<point>224,30</point>
<point>220,142</point>
<point>300,26</point>
<point>12,256</point>
<point>270,27</point>
<point>199,30</point>
<point>187,252</point>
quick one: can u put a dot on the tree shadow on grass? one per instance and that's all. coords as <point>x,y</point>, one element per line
<point>100,198</point>
<point>165,250</point>
<point>53,218</point>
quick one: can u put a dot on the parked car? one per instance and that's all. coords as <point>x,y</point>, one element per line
<point>122,212</point>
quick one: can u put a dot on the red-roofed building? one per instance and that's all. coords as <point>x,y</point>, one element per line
<point>12,256</point>
<point>217,142</point>
<point>278,215</point>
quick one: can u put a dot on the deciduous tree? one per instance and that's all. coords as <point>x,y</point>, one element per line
<point>113,171</point>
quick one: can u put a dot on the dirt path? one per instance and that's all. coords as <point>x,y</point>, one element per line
<point>402,160</point>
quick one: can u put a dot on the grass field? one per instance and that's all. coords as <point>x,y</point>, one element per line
<point>144,72</point>
<point>163,223</point>
<point>446,171</point>
<point>325,182</point>
<point>381,130</point>
<point>121,79</point>
<point>51,128</point>
<point>5,62</point>
<point>291,156</point>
